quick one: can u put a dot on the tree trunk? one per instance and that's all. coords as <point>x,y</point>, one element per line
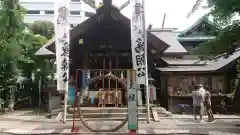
<point>11,105</point>
<point>11,100</point>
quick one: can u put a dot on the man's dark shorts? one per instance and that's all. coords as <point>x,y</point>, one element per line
<point>198,110</point>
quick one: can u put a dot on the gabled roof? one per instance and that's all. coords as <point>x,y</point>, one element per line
<point>214,64</point>
<point>43,51</point>
<point>170,38</point>
<point>157,43</point>
<point>203,19</point>
<point>184,62</point>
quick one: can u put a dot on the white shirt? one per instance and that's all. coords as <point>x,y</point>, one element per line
<point>198,98</point>
<point>202,90</point>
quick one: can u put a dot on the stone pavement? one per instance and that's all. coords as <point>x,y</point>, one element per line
<point>162,127</point>
<point>23,123</point>
<point>216,116</point>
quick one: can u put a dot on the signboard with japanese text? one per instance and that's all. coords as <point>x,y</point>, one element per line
<point>85,82</point>
<point>138,40</point>
<point>85,78</point>
<point>62,37</point>
<point>132,100</point>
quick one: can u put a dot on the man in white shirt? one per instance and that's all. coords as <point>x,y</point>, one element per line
<point>198,102</point>
<point>201,89</point>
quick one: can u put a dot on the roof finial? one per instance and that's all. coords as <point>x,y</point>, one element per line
<point>107,2</point>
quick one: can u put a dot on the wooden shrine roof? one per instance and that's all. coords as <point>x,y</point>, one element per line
<point>170,37</point>
<point>202,23</point>
<point>103,11</point>
<point>215,64</point>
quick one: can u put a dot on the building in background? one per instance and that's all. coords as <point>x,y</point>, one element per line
<point>44,10</point>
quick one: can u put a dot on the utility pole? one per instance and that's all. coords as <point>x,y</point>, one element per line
<point>146,62</point>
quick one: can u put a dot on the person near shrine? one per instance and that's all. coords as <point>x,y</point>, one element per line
<point>198,102</point>
<point>207,103</point>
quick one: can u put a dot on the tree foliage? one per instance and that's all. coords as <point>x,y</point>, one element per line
<point>223,12</point>
<point>11,26</point>
<point>43,28</point>
<point>17,47</point>
<point>29,62</point>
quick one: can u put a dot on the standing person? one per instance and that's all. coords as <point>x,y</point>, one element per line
<point>198,103</point>
<point>201,89</point>
<point>207,103</point>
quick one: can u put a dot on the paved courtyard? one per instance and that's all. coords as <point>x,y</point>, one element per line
<point>23,124</point>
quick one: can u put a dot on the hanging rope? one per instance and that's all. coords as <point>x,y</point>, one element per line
<point>80,112</point>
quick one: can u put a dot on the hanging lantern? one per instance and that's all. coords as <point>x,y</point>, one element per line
<point>80,41</point>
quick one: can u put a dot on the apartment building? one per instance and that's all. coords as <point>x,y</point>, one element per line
<point>44,10</point>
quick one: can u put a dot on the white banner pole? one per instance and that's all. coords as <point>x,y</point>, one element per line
<point>139,46</point>
<point>62,39</point>
<point>146,62</point>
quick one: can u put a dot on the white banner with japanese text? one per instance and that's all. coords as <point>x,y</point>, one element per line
<point>62,38</point>
<point>138,40</point>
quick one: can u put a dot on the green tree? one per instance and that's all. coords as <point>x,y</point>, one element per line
<point>43,28</point>
<point>29,62</point>
<point>11,26</point>
<point>223,12</point>
<point>17,49</point>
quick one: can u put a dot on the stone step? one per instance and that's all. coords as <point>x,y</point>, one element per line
<point>109,119</point>
<point>104,110</point>
<point>162,112</point>
<point>104,115</point>
<point>155,115</point>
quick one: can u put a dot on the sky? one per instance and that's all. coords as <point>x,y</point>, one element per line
<point>176,12</point>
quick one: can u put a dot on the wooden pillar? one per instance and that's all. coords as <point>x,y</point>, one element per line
<point>116,61</point>
<point>104,63</point>
<point>210,81</point>
<point>110,62</point>
<point>85,60</point>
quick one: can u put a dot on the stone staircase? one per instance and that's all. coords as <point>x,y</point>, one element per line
<point>110,113</point>
<point>106,114</point>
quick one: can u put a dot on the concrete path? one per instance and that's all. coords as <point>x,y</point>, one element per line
<point>163,127</point>
<point>25,122</point>
<point>216,116</point>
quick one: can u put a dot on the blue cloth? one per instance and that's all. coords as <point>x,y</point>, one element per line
<point>71,93</point>
<point>91,100</point>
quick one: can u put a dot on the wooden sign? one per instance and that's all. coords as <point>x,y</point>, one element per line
<point>132,100</point>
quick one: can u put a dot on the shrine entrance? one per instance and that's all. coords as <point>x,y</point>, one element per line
<point>103,92</point>
<point>124,83</point>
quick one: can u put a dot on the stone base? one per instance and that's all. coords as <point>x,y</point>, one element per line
<point>162,111</point>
